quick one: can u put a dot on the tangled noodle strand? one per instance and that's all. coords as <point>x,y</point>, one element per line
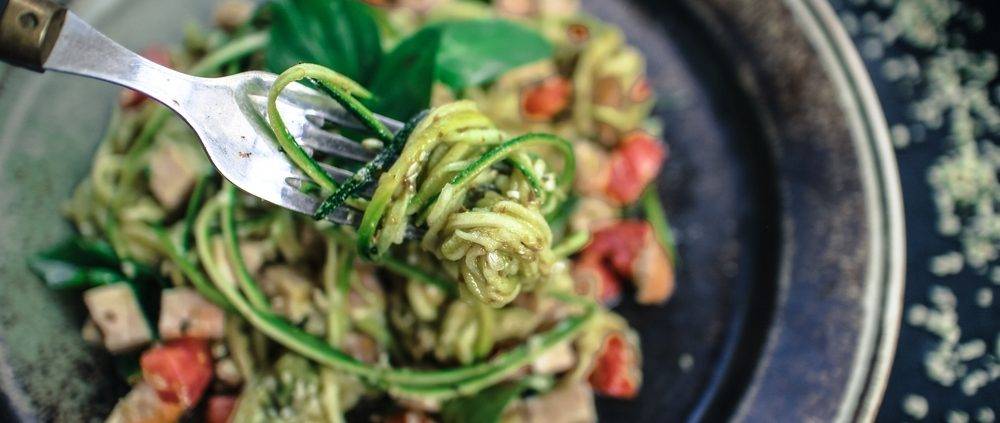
<point>484,224</point>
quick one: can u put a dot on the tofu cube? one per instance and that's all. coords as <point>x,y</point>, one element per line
<point>290,292</point>
<point>116,312</point>
<point>571,404</point>
<point>142,404</point>
<point>185,313</point>
<point>557,359</point>
<point>173,171</point>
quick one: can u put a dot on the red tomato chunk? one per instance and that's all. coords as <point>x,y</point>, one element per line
<point>627,249</point>
<point>616,372</point>
<point>634,164</point>
<point>179,370</point>
<point>220,408</point>
<point>547,99</point>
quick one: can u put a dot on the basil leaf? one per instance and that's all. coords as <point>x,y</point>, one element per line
<point>460,54</point>
<point>339,34</point>
<point>487,406</point>
<point>474,52</point>
<point>85,263</point>
<point>78,262</point>
<point>402,85</point>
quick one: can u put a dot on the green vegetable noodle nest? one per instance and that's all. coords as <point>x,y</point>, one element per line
<point>498,227</point>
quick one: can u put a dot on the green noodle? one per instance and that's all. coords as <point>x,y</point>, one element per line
<point>345,89</point>
<point>235,256</point>
<point>497,244</point>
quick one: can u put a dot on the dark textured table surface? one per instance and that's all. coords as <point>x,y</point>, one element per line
<point>909,377</point>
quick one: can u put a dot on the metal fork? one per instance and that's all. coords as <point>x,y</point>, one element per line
<point>228,113</point>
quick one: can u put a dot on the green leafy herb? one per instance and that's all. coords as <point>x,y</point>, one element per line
<point>487,406</point>
<point>339,34</point>
<point>402,85</point>
<point>460,54</point>
<point>77,263</point>
<point>344,35</point>
<point>474,52</point>
<point>81,263</point>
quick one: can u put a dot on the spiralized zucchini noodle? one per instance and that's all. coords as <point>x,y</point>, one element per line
<point>500,243</point>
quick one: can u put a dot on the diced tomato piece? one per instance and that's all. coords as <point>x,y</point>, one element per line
<point>595,279</point>
<point>634,164</point>
<point>616,371</point>
<point>631,250</point>
<point>609,289</point>
<point>618,244</point>
<point>179,370</point>
<point>546,99</point>
<point>156,53</point>
<point>220,407</point>
<point>624,241</point>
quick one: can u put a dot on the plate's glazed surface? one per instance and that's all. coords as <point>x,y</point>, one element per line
<point>779,187</point>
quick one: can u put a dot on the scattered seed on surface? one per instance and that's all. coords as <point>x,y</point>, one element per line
<point>957,416</point>
<point>947,264</point>
<point>915,406</point>
<point>685,362</point>
<point>984,297</point>
<point>985,415</point>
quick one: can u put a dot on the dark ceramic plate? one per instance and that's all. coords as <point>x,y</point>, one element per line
<point>781,185</point>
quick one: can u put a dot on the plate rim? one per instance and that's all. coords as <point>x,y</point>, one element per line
<point>885,275</point>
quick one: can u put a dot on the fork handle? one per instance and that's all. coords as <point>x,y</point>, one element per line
<point>28,31</point>
<point>42,35</point>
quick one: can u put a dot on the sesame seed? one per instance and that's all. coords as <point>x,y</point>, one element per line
<point>915,406</point>
<point>985,415</point>
<point>984,297</point>
<point>872,48</point>
<point>957,416</point>
<point>972,350</point>
<point>975,380</point>
<point>850,22</point>
<point>870,22</point>
<point>947,264</point>
<point>685,362</point>
<point>894,70</point>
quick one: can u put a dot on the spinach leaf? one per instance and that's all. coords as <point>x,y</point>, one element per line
<point>339,34</point>
<point>402,85</point>
<point>460,54</point>
<point>487,406</point>
<point>478,51</point>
